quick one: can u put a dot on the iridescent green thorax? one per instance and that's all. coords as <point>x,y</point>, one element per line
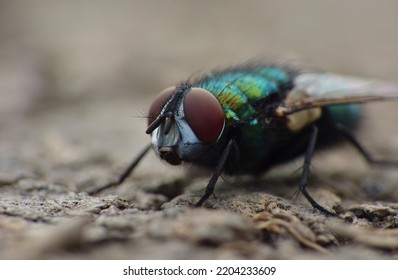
<point>239,91</point>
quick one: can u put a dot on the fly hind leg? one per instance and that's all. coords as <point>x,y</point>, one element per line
<point>346,133</point>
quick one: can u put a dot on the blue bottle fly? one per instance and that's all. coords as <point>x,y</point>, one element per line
<point>252,117</point>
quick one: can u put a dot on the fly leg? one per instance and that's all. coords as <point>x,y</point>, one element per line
<point>306,168</point>
<point>124,175</point>
<point>219,168</point>
<point>346,133</point>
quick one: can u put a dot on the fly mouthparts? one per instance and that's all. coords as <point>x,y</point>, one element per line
<point>169,154</point>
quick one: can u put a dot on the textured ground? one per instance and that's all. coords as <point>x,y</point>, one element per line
<point>75,81</point>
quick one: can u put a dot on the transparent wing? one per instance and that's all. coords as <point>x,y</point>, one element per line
<point>324,89</point>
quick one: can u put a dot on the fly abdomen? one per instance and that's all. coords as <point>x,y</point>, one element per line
<point>348,115</point>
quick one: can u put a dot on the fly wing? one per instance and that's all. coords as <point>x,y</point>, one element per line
<point>324,89</point>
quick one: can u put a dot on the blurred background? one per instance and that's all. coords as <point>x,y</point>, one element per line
<point>76,77</point>
<point>141,46</point>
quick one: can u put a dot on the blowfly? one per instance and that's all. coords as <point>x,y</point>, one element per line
<point>249,118</point>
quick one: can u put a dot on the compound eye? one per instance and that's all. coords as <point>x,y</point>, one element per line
<point>204,114</point>
<point>158,103</point>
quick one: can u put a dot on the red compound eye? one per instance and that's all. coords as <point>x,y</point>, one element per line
<point>158,103</point>
<point>204,114</point>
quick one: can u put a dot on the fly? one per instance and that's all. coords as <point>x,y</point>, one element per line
<point>252,117</point>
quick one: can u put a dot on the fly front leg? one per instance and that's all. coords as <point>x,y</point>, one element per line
<point>124,175</point>
<point>217,172</point>
<point>306,168</point>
